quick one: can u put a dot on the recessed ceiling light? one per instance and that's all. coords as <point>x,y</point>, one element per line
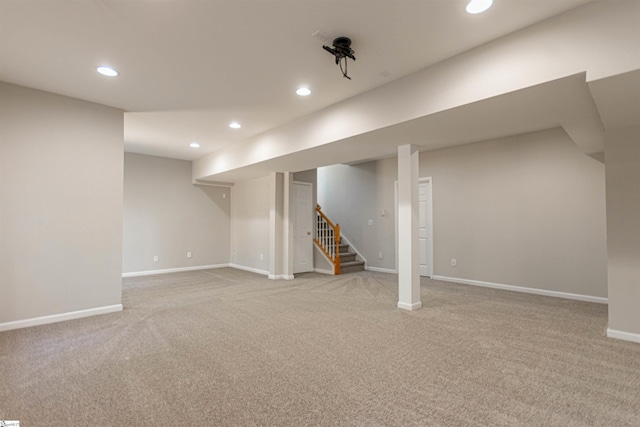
<point>303,91</point>
<point>194,145</point>
<point>235,125</point>
<point>478,6</point>
<point>107,71</point>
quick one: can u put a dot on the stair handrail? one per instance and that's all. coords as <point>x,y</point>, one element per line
<point>327,238</point>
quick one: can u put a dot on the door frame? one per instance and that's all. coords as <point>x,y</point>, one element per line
<point>428,179</point>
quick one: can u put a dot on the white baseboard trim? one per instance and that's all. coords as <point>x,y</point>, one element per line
<point>410,307</point>
<point>535,291</point>
<point>173,270</point>
<point>323,271</point>
<point>250,269</point>
<point>381,270</point>
<point>54,318</point>
<point>620,335</point>
<point>281,276</point>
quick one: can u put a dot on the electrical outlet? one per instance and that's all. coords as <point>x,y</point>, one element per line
<point>261,256</point>
<point>224,195</point>
<point>189,254</point>
<point>155,258</point>
<point>370,222</point>
<point>379,255</point>
<point>453,262</point>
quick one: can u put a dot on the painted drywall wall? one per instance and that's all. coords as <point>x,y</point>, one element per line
<point>165,215</point>
<point>61,204</point>
<point>622,158</point>
<point>259,226</point>
<point>361,199</point>
<point>526,211</point>
<point>250,213</point>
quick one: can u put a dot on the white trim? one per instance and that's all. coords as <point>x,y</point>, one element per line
<point>250,269</point>
<point>556,294</point>
<point>282,276</point>
<point>620,335</point>
<point>323,271</point>
<point>54,318</point>
<point>173,270</point>
<point>381,270</point>
<point>410,307</point>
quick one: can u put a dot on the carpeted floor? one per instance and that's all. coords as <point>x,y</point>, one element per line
<point>227,347</point>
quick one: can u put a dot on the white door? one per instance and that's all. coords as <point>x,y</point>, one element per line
<point>425,227</point>
<point>302,227</point>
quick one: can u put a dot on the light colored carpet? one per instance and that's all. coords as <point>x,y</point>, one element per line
<point>227,347</point>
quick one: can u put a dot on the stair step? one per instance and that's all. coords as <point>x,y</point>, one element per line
<point>347,257</point>
<point>351,267</point>
<point>343,248</point>
<point>351,263</point>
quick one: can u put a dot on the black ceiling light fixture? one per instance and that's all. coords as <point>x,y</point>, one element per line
<point>341,50</point>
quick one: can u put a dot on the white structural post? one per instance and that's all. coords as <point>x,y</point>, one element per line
<point>275,225</point>
<point>622,173</point>
<point>287,228</point>
<point>408,260</point>
<point>280,237</point>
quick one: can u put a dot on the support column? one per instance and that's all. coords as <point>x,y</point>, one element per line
<point>408,260</point>
<point>287,228</point>
<point>280,237</point>
<point>622,171</point>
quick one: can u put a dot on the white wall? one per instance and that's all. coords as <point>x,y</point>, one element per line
<point>353,195</point>
<point>255,211</point>
<point>622,157</point>
<point>250,210</point>
<point>166,215</point>
<point>526,211</point>
<point>61,165</point>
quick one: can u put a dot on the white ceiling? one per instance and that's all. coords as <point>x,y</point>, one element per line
<point>189,67</point>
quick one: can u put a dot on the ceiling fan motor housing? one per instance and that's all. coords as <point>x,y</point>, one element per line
<point>342,46</point>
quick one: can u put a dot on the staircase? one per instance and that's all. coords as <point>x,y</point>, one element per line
<point>348,261</point>
<point>328,239</point>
